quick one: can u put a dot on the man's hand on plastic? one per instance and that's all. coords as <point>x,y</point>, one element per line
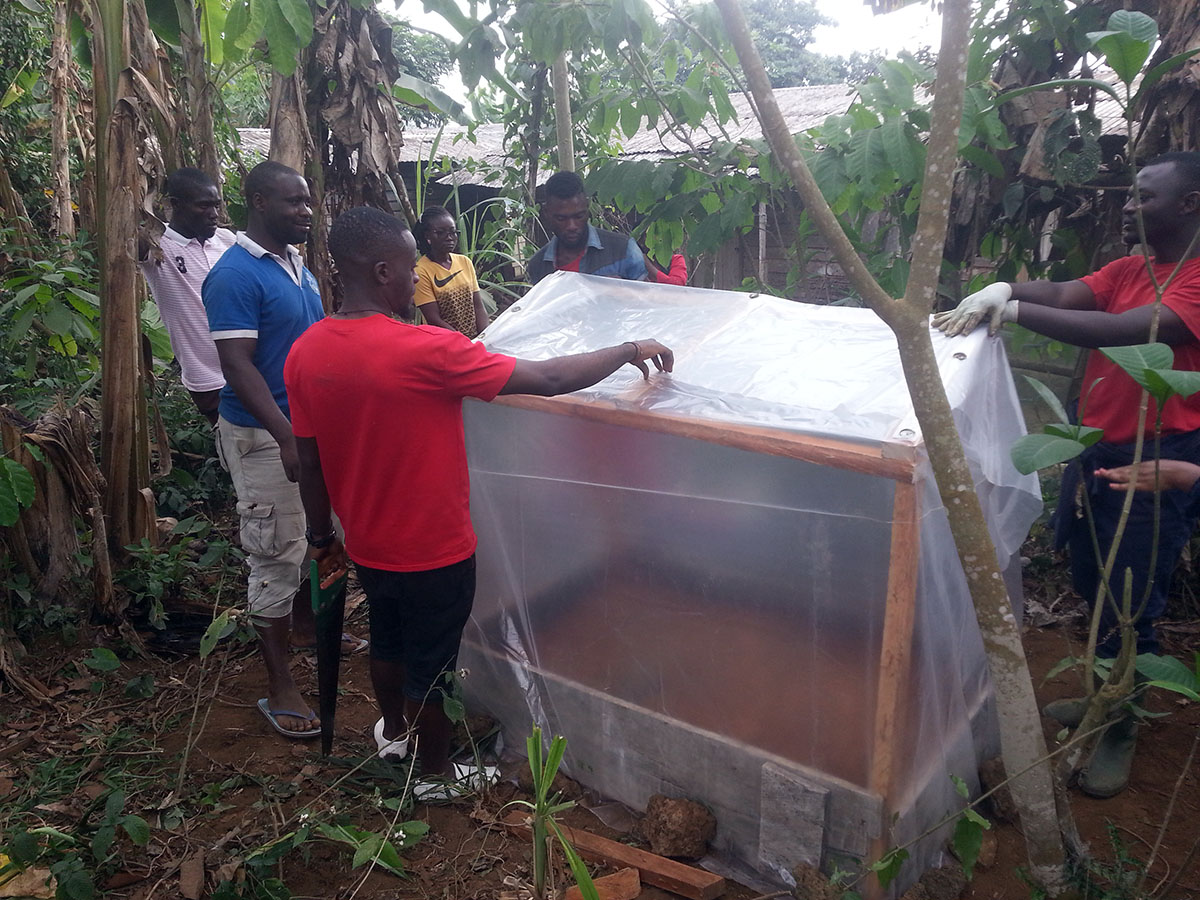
<point>661,356</point>
<point>994,302</point>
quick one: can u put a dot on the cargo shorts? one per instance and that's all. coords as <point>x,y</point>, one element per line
<point>271,516</point>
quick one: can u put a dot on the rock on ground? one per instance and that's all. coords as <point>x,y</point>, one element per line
<point>1001,805</point>
<point>676,827</point>
<point>812,884</point>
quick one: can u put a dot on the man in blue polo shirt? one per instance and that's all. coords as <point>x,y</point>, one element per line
<point>259,298</point>
<point>577,245</point>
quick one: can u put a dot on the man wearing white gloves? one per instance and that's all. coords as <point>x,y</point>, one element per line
<point>1113,307</point>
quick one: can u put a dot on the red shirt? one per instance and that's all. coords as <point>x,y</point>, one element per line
<point>384,401</point>
<point>1112,404</point>
<point>676,272</point>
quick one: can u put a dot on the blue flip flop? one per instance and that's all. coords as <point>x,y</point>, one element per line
<point>264,707</point>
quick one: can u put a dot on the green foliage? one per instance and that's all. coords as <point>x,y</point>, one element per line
<point>1171,674</point>
<point>181,570</point>
<point>887,867</point>
<point>16,490</point>
<point>287,26</point>
<point>24,109</point>
<point>543,766</point>
<point>84,853</point>
<point>102,660</point>
<point>49,322</point>
<point>968,831</point>
<point>380,848</point>
<point>246,96</point>
<point>1147,364</point>
<point>425,59</point>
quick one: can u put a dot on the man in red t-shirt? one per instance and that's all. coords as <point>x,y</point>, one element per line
<point>1115,307</point>
<point>376,408</point>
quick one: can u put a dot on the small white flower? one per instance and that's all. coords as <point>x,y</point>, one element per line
<point>398,834</point>
<point>464,672</point>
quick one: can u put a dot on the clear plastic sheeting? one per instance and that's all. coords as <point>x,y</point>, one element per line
<point>777,628</point>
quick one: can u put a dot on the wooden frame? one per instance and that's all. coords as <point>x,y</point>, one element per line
<point>895,461</point>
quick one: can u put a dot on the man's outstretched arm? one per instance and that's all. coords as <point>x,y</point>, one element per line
<point>998,303</point>
<point>564,374</point>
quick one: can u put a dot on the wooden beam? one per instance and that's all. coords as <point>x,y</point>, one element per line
<point>625,884</point>
<point>687,881</point>
<point>866,458</point>
<point>895,656</point>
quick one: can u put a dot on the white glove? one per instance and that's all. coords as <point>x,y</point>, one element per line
<point>993,302</point>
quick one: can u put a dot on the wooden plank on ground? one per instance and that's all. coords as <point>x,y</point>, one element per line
<point>685,880</point>
<point>623,885</point>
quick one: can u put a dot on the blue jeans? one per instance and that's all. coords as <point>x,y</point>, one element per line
<point>1176,519</point>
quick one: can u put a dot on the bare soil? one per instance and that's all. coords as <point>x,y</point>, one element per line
<point>243,785</point>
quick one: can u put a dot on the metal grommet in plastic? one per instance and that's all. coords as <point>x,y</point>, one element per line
<point>907,433</point>
<point>960,356</point>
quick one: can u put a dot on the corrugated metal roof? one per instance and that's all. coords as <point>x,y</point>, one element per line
<point>802,108</point>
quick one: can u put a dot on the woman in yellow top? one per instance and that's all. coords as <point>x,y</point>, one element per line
<point>447,291</point>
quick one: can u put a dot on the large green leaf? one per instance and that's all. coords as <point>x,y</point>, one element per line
<point>1137,25</point>
<point>1171,674</point>
<point>262,14</point>
<point>1137,358</point>
<point>1124,54</point>
<point>981,158</point>
<point>237,23</point>
<point>283,47</point>
<point>423,95</point>
<point>1084,434</point>
<point>1063,83</point>
<point>16,490</point>
<point>1166,383</point>
<point>164,20</point>
<point>903,151</point>
<point>1155,75</point>
<point>1049,398</point>
<point>1037,451</point>
<point>212,26</point>
<point>299,16</point>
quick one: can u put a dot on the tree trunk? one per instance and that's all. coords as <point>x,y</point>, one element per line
<point>1023,746</point>
<point>289,128</point>
<point>124,442</point>
<point>62,219</point>
<point>1174,107</point>
<point>198,92</point>
<point>13,209</point>
<point>562,114</point>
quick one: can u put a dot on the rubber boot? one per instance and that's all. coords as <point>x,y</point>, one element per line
<point>1107,772</point>
<point>1067,712</point>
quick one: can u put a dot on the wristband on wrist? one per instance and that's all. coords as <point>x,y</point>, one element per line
<point>637,351</point>
<point>319,543</point>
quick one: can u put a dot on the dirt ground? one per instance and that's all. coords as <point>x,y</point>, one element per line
<point>242,786</point>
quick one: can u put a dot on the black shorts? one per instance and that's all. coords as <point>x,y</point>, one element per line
<point>417,618</point>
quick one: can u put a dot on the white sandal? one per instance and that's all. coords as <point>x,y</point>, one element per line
<point>390,750</point>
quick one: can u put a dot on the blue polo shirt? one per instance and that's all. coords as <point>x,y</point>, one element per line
<point>251,293</point>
